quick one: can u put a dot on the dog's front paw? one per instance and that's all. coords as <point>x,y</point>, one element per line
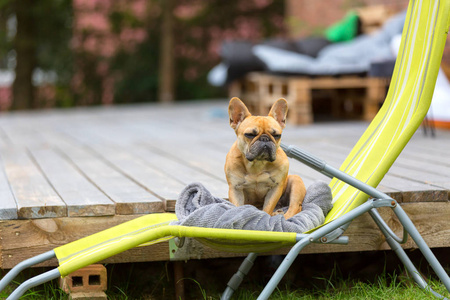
<point>278,212</point>
<point>290,214</point>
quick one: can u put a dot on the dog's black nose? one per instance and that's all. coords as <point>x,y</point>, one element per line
<point>264,138</point>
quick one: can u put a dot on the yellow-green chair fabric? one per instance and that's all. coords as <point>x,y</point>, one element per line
<point>407,102</point>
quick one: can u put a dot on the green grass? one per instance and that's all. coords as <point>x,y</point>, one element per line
<point>352,275</point>
<point>387,287</point>
<point>134,282</point>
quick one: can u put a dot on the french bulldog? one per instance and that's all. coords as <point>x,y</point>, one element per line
<point>256,167</point>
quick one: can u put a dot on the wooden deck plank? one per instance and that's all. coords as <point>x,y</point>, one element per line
<point>129,196</point>
<point>335,159</point>
<point>35,197</point>
<point>4,141</point>
<point>137,169</point>
<point>169,173</point>
<point>431,153</point>
<point>183,172</point>
<point>406,174</point>
<point>80,195</point>
<point>8,205</point>
<point>22,135</point>
<point>153,180</point>
<point>201,157</point>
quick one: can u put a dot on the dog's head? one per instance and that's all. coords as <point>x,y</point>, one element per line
<point>258,137</point>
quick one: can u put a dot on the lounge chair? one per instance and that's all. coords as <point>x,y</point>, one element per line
<point>353,185</point>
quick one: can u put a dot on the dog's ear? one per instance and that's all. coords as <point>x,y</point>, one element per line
<point>279,111</point>
<point>237,112</point>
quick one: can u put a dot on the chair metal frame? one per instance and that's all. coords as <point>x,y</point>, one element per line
<point>335,228</point>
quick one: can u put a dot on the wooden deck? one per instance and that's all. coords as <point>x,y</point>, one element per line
<point>69,173</point>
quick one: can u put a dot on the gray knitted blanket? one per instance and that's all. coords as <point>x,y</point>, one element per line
<point>197,207</point>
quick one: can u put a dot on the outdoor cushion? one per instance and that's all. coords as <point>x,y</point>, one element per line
<point>311,46</point>
<point>338,58</point>
<point>240,59</point>
<point>344,30</point>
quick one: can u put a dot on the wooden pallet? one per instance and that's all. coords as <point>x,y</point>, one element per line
<point>260,90</point>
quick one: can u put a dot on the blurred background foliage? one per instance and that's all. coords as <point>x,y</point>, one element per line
<point>62,53</point>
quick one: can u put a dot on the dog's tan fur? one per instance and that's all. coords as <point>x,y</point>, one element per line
<point>256,167</point>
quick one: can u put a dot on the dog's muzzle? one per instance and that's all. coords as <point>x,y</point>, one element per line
<point>262,149</point>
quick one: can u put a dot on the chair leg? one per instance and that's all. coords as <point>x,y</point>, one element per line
<point>237,278</point>
<point>23,265</point>
<point>420,242</point>
<point>32,282</point>
<point>415,235</point>
<point>282,269</point>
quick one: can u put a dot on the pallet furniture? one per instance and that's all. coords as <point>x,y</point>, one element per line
<point>259,90</point>
<point>350,95</point>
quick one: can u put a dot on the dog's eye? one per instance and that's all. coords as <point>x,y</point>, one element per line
<point>250,135</point>
<point>276,136</point>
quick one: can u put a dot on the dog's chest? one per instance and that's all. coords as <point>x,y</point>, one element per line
<point>263,178</point>
<point>256,187</point>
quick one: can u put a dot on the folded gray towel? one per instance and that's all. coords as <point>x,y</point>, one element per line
<point>197,207</point>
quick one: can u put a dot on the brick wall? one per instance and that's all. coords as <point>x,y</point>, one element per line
<point>309,17</point>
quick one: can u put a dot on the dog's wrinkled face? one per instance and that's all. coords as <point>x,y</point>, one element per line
<point>258,137</point>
